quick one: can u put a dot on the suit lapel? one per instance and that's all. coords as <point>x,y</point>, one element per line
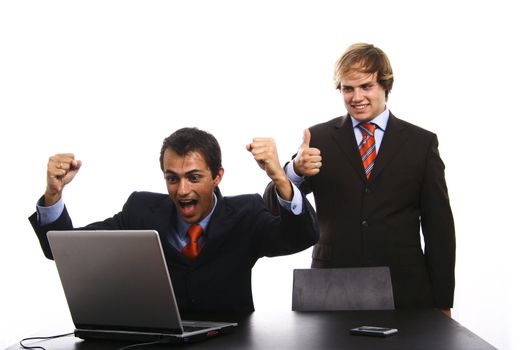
<point>344,137</point>
<point>393,139</point>
<point>163,217</point>
<point>221,224</point>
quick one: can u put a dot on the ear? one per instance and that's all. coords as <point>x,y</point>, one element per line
<point>218,178</point>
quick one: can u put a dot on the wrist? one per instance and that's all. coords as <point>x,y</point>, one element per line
<point>284,188</point>
<point>51,198</point>
<point>295,168</point>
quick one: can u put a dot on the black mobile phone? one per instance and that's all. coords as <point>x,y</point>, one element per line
<point>373,331</point>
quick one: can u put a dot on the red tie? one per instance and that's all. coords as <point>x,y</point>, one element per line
<point>367,147</point>
<point>192,249</point>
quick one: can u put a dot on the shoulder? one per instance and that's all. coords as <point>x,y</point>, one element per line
<point>242,201</point>
<point>240,208</point>
<point>147,198</point>
<point>328,125</point>
<point>325,131</point>
<point>400,124</point>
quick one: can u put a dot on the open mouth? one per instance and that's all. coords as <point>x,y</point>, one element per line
<point>187,207</point>
<point>187,203</point>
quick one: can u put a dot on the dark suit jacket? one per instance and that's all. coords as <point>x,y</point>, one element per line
<point>377,222</point>
<point>240,231</point>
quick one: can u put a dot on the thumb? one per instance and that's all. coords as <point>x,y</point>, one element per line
<point>306,137</point>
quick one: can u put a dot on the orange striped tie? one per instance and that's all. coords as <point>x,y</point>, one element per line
<point>367,147</point>
<point>192,249</point>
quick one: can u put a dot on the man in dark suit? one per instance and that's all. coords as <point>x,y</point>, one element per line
<point>381,181</point>
<point>210,271</point>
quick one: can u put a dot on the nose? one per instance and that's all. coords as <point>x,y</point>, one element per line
<point>358,95</point>
<point>183,188</point>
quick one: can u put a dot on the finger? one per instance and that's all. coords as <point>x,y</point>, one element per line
<point>256,142</point>
<point>314,152</point>
<point>312,168</point>
<point>76,164</point>
<point>261,145</point>
<point>312,157</point>
<point>61,164</point>
<point>306,137</point>
<point>62,161</point>
<point>262,142</point>
<point>313,165</point>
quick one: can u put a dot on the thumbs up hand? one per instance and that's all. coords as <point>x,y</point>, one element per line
<point>307,162</point>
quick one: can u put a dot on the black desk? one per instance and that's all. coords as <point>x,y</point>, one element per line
<point>421,329</point>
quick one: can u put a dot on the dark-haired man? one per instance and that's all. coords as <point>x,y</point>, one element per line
<point>212,270</point>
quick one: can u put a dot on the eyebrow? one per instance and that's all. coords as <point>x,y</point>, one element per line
<point>370,82</point>
<point>190,172</point>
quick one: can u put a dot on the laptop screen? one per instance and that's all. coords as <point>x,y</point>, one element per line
<point>115,279</point>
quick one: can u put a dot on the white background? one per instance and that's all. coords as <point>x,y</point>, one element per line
<point>108,80</point>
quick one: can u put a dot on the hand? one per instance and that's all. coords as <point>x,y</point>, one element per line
<point>264,152</point>
<point>307,162</point>
<point>61,169</point>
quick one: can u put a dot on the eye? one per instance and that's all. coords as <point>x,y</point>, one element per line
<point>347,89</point>
<point>171,179</point>
<point>194,178</point>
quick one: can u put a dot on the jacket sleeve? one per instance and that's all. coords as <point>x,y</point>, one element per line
<point>62,223</point>
<point>284,232</point>
<point>437,225</point>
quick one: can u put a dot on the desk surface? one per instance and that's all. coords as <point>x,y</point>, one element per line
<point>421,329</point>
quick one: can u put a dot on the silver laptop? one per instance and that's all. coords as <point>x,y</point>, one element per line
<point>117,286</point>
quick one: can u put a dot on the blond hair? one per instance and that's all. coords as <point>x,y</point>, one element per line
<point>365,58</point>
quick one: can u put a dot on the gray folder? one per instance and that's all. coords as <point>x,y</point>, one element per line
<point>361,288</point>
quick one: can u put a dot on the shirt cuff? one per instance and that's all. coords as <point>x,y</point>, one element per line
<point>292,175</point>
<point>47,215</point>
<point>296,204</point>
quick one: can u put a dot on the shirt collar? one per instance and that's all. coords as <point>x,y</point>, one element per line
<point>381,120</point>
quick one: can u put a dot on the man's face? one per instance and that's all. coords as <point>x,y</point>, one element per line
<point>190,184</point>
<point>364,98</point>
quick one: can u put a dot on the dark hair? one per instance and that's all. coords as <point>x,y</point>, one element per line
<point>186,140</point>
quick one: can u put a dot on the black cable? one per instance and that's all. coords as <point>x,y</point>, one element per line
<point>41,338</point>
<point>162,341</point>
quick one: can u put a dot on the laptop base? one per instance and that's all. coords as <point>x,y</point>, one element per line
<point>87,334</point>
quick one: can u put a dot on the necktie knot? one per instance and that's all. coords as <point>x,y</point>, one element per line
<point>194,232</point>
<point>367,128</point>
<point>193,248</point>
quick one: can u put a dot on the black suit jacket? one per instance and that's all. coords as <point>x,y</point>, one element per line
<point>240,231</point>
<point>378,222</point>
